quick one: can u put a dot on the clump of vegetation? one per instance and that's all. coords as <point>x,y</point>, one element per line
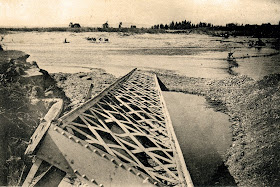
<point>85,29</point>
<point>18,121</point>
<point>17,124</point>
<point>233,29</point>
<point>21,108</point>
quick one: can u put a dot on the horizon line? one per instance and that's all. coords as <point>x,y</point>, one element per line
<point>115,24</point>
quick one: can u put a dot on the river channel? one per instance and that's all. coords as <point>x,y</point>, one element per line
<point>204,137</point>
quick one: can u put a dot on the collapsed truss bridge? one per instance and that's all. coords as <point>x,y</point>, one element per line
<point>121,137</point>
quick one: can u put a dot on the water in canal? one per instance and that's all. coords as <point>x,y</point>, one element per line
<point>204,136</point>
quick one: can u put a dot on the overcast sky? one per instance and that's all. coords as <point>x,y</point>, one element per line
<point>91,12</point>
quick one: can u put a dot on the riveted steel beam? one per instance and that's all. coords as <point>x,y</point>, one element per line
<point>92,165</point>
<point>37,136</point>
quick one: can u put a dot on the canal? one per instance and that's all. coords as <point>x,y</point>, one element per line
<point>204,137</point>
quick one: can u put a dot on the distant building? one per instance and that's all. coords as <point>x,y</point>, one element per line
<point>75,25</point>
<point>231,25</point>
<point>105,25</point>
<point>133,26</point>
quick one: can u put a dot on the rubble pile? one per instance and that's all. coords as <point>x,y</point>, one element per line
<point>76,86</point>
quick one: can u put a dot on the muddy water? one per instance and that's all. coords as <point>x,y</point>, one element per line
<point>258,67</point>
<point>191,55</point>
<point>203,134</point>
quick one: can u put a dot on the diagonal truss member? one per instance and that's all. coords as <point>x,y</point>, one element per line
<point>121,137</point>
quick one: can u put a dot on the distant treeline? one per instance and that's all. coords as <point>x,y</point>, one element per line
<point>264,30</point>
<point>231,29</point>
<point>81,29</point>
<point>181,25</point>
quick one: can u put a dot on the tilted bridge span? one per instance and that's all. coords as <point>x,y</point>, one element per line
<point>121,137</point>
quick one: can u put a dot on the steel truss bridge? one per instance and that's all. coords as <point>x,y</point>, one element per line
<point>121,137</point>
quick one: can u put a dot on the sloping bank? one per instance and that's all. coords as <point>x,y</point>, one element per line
<point>27,92</point>
<point>254,108</point>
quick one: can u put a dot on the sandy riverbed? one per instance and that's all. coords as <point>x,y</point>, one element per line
<point>191,55</point>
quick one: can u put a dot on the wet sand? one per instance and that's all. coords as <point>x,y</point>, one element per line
<point>191,55</point>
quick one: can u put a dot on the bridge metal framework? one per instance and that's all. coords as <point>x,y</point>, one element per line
<point>121,137</point>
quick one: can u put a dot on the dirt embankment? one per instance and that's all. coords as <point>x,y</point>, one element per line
<point>27,93</point>
<point>254,110</point>
<point>76,85</point>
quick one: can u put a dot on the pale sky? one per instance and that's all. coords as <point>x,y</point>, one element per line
<point>30,13</point>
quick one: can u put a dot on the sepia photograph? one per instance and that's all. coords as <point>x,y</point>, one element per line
<point>128,93</point>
